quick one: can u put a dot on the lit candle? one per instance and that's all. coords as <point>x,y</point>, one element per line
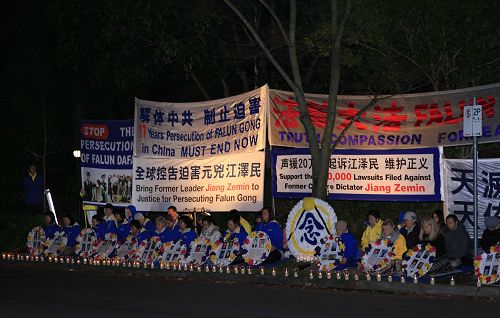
<point>389,279</point>
<point>338,275</point>
<point>228,270</point>
<point>273,272</point>
<point>214,268</point>
<point>207,269</point>
<point>249,270</point>
<point>356,276</point>
<point>191,267</point>
<point>478,284</point>
<point>50,259</point>
<point>221,270</point>
<point>262,270</point>
<point>432,280</point>
<point>295,274</point>
<point>452,281</point>
<point>37,258</point>
<point>346,276</point>
<point>403,280</point>
<point>236,270</point>
<point>286,272</point>
<point>415,279</point>
<point>311,276</point>
<point>320,274</point>
<point>368,277</point>
<point>78,262</point>
<point>85,261</point>
<point>145,265</point>
<point>328,275</point>
<point>242,270</point>
<point>4,256</point>
<point>379,277</point>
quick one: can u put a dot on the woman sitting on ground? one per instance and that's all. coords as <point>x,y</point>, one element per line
<point>389,233</point>
<point>72,230</point>
<point>186,229</point>
<point>431,234</point>
<point>373,230</point>
<point>49,225</point>
<point>209,231</point>
<point>272,228</point>
<point>99,226</point>
<point>138,232</point>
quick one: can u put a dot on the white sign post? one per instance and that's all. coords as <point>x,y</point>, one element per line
<point>473,127</point>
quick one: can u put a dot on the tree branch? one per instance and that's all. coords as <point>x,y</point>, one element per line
<point>277,20</point>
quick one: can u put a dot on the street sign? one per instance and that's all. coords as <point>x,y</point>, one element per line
<point>473,121</point>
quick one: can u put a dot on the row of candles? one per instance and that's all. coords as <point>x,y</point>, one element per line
<point>175,266</point>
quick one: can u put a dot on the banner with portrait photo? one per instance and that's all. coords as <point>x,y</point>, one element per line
<point>218,183</point>
<point>459,181</point>
<point>106,161</point>
<point>200,130</point>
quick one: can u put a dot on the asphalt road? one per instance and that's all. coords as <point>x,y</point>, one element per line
<point>42,293</point>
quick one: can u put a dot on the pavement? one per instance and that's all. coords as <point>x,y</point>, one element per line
<point>34,291</point>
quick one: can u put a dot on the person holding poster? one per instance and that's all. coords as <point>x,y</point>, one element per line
<point>188,234</point>
<point>99,227</point>
<point>350,251</point>
<point>411,230</point>
<point>234,229</point>
<point>389,233</point>
<point>491,236</point>
<point>71,230</point>
<point>109,219</point>
<point>49,227</point>
<point>272,228</point>
<point>457,242</point>
<point>209,231</point>
<point>138,232</point>
<point>146,223</point>
<point>373,230</point>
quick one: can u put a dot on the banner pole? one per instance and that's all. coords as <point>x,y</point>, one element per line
<point>476,217</point>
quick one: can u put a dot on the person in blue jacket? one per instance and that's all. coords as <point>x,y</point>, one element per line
<point>171,232</point>
<point>350,251</point>
<point>33,191</point>
<point>272,228</point>
<point>161,229</point>
<point>49,227</point>
<point>109,219</point>
<point>186,229</point>
<point>234,229</point>
<point>124,228</point>
<point>145,222</point>
<point>71,229</point>
<point>138,232</point>
<point>98,226</point>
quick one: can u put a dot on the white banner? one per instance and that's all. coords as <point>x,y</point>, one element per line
<point>407,175</point>
<point>202,129</point>
<point>459,181</point>
<point>218,183</point>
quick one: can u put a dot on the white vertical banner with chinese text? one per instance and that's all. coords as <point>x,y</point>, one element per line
<point>203,129</point>
<point>217,183</point>
<point>459,183</point>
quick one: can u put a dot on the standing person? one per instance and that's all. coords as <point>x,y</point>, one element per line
<point>350,251</point>
<point>72,230</point>
<point>109,219</point>
<point>172,212</point>
<point>33,191</point>
<point>49,225</point>
<point>209,231</point>
<point>437,217</point>
<point>411,230</point>
<point>271,227</point>
<point>457,242</point>
<point>186,229</point>
<point>373,230</point>
<point>491,235</point>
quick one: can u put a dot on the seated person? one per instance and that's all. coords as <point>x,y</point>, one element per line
<point>109,219</point>
<point>389,233</point>
<point>350,251</point>
<point>146,223</point>
<point>272,228</point>
<point>411,230</point>
<point>430,233</point>
<point>373,230</point>
<point>437,217</point>
<point>234,229</point>
<point>172,233</point>
<point>209,231</point>
<point>72,230</point>
<point>161,229</point>
<point>49,225</point>
<point>98,226</point>
<point>118,217</point>
<point>457,242</point>
<point>124,228</point>
<point>186,229</point>
<point>491,235</point>
<point>244,223</point>
<point>138,232</point>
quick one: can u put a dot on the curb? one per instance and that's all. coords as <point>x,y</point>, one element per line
<point>303,281</point>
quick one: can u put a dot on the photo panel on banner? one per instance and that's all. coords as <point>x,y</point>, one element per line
<point>256,248</point>
<point>224,252</point>
<point>126,249</point>
<point>330,252</point>
<point>55,246</point>
<point>173,252</point>
<point>487,266</point>
<point>86,243</point>
<point>418,260</point>
<point>106,247</point>
<point>36,241</point>
<point>377,256</point>
<point>199,251</point>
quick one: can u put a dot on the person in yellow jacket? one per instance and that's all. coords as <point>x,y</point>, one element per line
<point>389,233</point>
<point>373,230</point>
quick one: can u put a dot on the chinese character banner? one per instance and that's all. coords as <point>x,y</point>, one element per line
<point>400,121</point>
<point>203,129</point>
<point>106,161</point>
<point>459,184</point>
<point>219,183</point>
<point>384,175</point>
